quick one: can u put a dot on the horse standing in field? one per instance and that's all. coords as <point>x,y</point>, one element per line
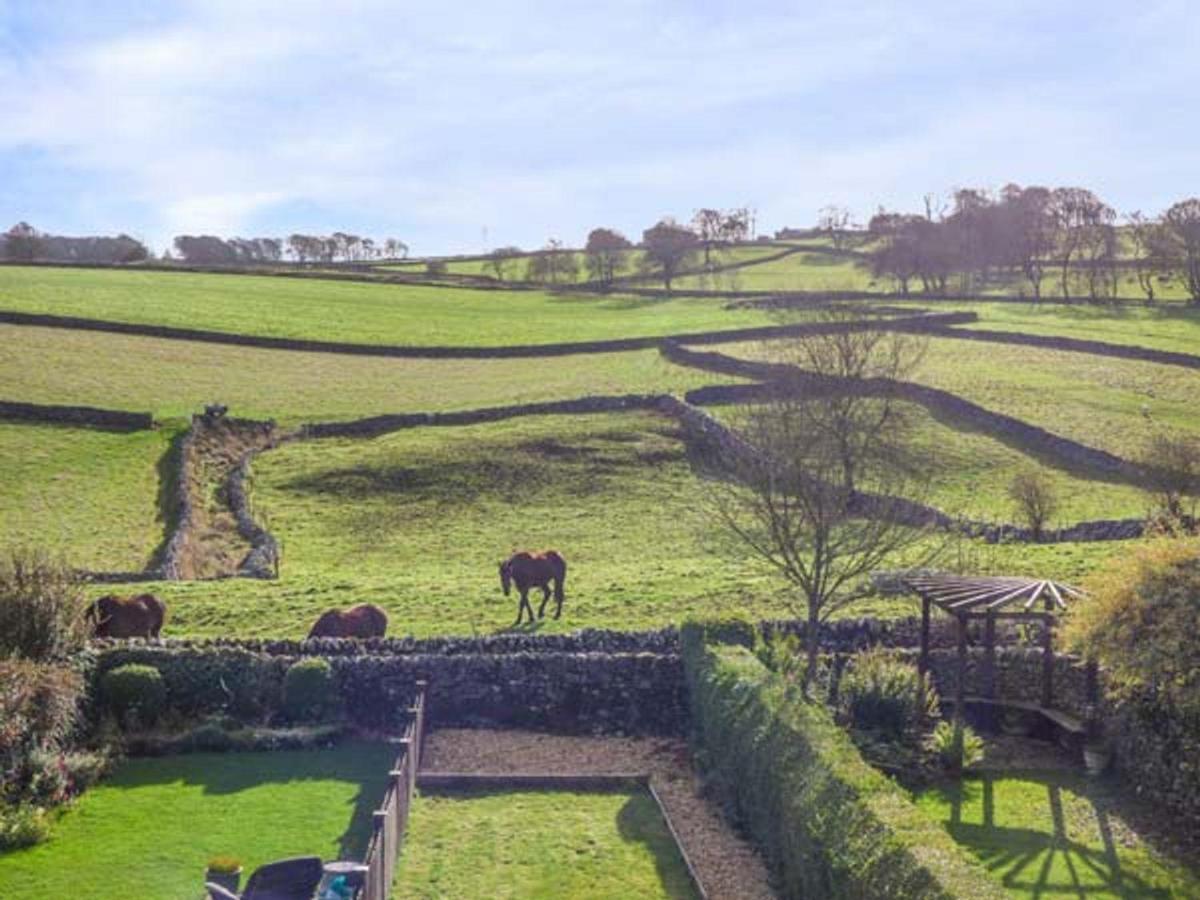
<point>363,621</point>
<point>125,617</point>
<point>527,570</point>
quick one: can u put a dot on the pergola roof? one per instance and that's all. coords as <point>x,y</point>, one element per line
<point>987,595</point>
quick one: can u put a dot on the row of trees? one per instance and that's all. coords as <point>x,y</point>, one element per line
<point>668,248</point>
<point>1067,233</point>
<point>338,247</point>
<point>24,243</point>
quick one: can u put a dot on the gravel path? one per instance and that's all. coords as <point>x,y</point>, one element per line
<point>727,865</point>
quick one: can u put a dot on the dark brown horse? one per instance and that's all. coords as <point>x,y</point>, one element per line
<point>125,617</point>
<point>363,621</point>
<point>527,570</point>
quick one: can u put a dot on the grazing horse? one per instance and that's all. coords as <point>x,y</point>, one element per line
<point>125,617</point>
<point>363,621</point>
<point>527,570</point>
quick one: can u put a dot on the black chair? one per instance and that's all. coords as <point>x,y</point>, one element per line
<point>288,879</point>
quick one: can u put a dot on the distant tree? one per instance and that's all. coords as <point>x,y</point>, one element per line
<point>1151,252</point>
<point>553,264</point>
<point>502,259</point>
<point>835,222</point>
<point>205,249</point>
<point>737,225</point>
<point>1080,218</point>
<point>1172,464</point>
<point>707,223</point>
<point>607,254</point>
<point>300,246</point>
<point>668,246</point>
<point>1035,499</point>
<point>394,248</point>
<point>23,242</point>
<point>1032,232</point>
<point>1182,224</point>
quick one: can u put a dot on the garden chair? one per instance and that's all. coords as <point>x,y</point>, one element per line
<point>288,879</point>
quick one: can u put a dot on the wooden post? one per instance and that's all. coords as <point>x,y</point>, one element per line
<point>960,692</point>
<point>1048,661</point>
<point>923,659</point>
<point>989,657</point>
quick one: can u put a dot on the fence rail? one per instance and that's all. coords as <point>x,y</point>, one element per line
<point>391,818</point>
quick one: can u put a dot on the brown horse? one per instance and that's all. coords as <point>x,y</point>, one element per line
<point>527,570</point>
<point>363,621</point>
<point>125,617</point>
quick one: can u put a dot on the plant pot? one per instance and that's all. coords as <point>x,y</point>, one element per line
<point>1096,758</point>
<point>227,880</point>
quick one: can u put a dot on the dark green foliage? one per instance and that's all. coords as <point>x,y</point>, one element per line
<point>829,824</point>
<point>136,694</point>
<point>23,826</point>
<point>41,607</point>
<point>882,694</point>
<point>942,746</point>
<point>308,690</point>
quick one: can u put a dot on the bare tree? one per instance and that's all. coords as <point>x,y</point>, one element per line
<point>606,254</point>
<point>1035,499</point>
<point>1077,213</point>
<point>1182,223</point>
<point>707,224</point>
<point>553,263</point>
<point>668,246</point>
<point>1150,253</point>
<point>835,222</point>
<point>823,489</point>
<point>1172,464</point>
<point>502,259</point>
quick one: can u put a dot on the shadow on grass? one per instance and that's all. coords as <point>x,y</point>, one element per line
<point>365,764</point>
<point>167,501</point>
<point>1045,859</point>
<point>640,821</point>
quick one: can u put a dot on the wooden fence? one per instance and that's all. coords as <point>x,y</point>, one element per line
<point>391,818</point>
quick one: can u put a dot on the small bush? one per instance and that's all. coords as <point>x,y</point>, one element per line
<point>882,695</point>
<point>1035,499</point>
<point>42,607</point>
<point>941,745</point>
<point>308,689</point>
<point>22,826</point>
<point>136,694</point>
<point>210,737</point>
<point>225,865</point>
<point>39,706</point>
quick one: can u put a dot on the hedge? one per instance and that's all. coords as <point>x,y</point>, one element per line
<point>828,823</point>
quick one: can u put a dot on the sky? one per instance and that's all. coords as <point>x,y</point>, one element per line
<point>463,126</point>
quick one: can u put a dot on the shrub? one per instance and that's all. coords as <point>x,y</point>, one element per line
<point>39,706</point>
<point>224,865</point>
<point>882,695</point>
<point>941,745</point>
<point>1035,499</point>
<point>308,689</point>
<point>1141,619</point>
<point>135,693</point>
<point>22,826</point>
<point>42,607</point>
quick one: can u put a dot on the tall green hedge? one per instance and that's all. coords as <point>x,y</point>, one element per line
<point>828,823</point>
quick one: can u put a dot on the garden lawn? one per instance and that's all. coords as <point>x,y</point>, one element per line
<point>91,495</point>
<point>149,830</point>
<point>357,312</point>
<point>176,378</point>
<point>1055,834</point>
<point>539,844</point>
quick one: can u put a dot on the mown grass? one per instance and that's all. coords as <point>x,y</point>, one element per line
<point>356,312</point>
<point>150,829</point>
<point>1052,834</point>
<point>539,844</point>
<point>175,378</point>
<point>91,495</point>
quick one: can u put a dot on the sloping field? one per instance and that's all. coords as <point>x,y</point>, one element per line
<point>175,378</point>
<point>795,272</point>
<point>356,312</point>
<point>91,495</point>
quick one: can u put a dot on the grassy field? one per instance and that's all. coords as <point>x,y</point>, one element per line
<point>1113,404</point>
<point>175,378</point>
<point>539,844</point>
<point>795,272</point>
<point>150,829</point>
<point>91,495</point>
<point>1055,835</point>
<point>356,312</point>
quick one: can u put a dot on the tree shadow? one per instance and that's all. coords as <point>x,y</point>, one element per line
<point>1038,861</point>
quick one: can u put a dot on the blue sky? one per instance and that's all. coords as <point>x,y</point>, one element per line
<point>434,121</point>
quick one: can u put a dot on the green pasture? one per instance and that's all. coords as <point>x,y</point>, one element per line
<point>1055,834</point>
<point>149,830</point>
<point>93,496</point>
<point>357,312</point>
<point>539,844</point>
<point>801,271</point>
<point>176,378</point>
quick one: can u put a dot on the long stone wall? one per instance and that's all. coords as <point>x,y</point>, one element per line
<point>80,416</point>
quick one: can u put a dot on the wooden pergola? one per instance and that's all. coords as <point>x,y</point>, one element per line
<point>990,598</point>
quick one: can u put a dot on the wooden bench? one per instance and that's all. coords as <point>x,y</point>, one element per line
<point>1065,721</point>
